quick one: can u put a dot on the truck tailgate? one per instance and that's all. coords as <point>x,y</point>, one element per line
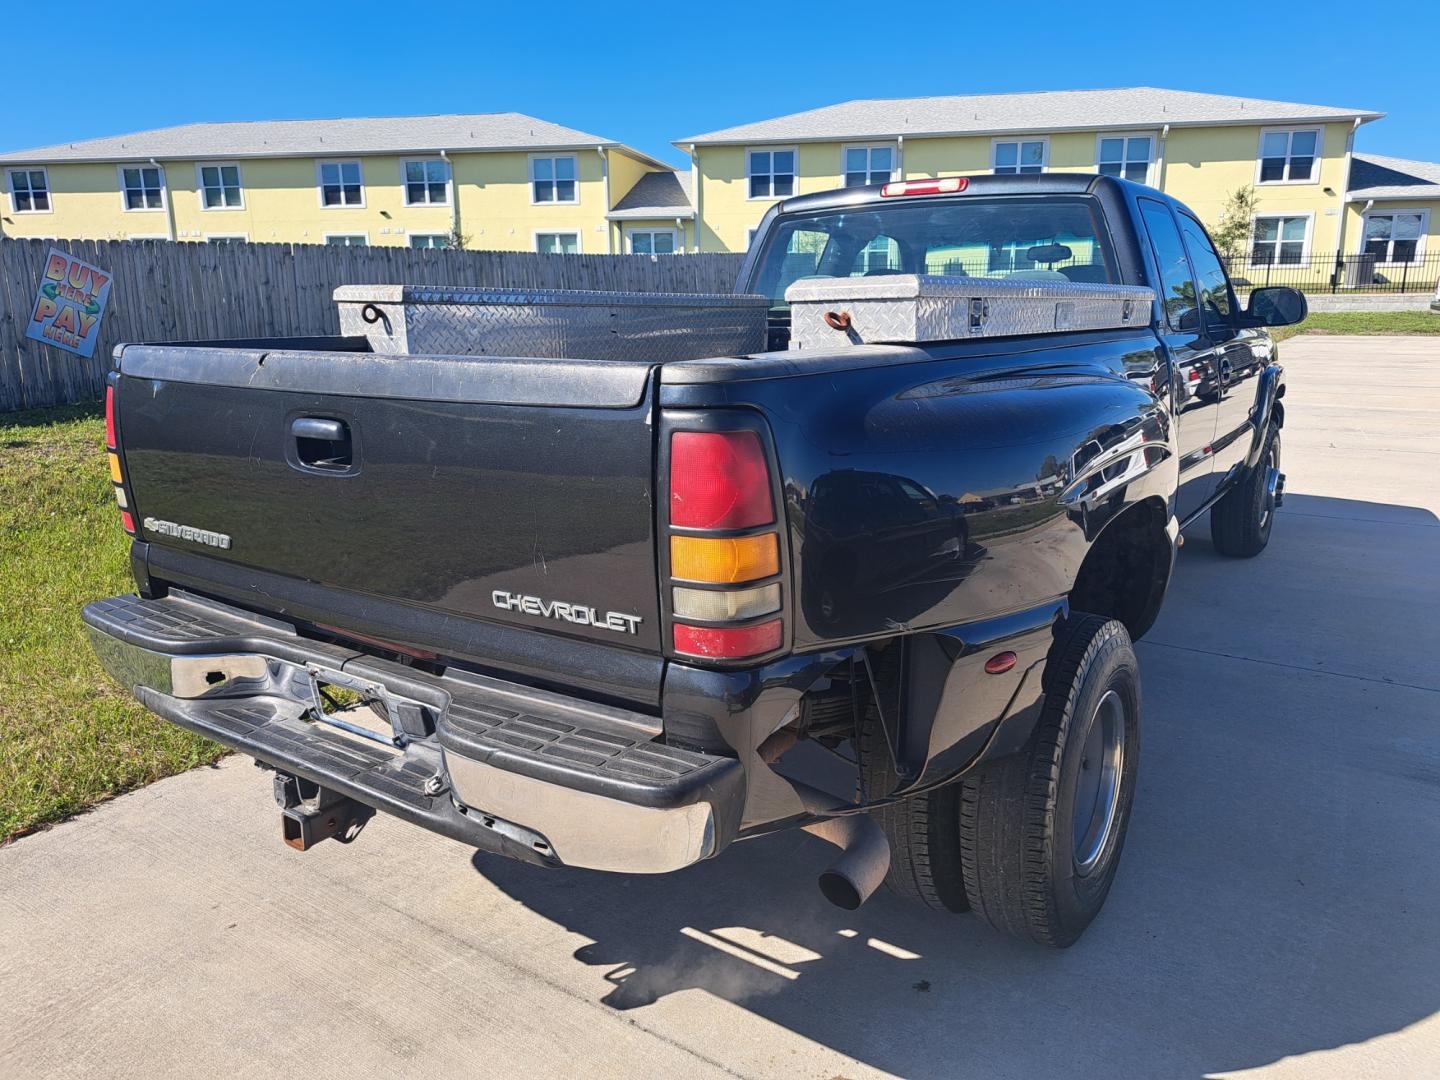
<point>448,504</point>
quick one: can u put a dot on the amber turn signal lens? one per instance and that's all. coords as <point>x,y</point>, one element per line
<point>724,560</point>
<point>115,469</point>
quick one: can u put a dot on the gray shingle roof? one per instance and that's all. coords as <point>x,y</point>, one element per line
<point>656,195</point>
<point>325,138</point>
<point>1375,177</point>
<point>1051,110</point>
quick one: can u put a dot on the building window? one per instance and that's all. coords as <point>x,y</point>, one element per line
<point>652,241</point>
<point>552,180</point>
<point>346,240</point>
<point>1395,237</point>
<point>1280,241</point>
<point>557,243</point>
<point>29,191</point>
<point>341,184</point>
<point>1126,156</point>
<point>426,183</point>
<point>220,187</point>
<point>429,240</point>
<point>1288,157</point>
<point>1010,157</point>
<point>227,238</point>
<point>144,187</point>
<point>771,173</point>
<point>868,165</point>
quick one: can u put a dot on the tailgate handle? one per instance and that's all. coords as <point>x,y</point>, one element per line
<point>323,443</point>
<point>313,427</point>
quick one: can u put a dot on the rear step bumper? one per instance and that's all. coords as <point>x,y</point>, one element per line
<point>505,768</point>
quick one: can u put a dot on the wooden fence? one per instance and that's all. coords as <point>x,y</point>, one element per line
<point>202,292</point>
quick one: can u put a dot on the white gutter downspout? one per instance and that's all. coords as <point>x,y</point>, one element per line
<point>169,203</point>
<point>1345,189</point>
<point>1160,159</point>
<point>698,193</point>
<point>454,195</point>
<point>899,157</point>
<point>605,175</point>
<point>680,228</point>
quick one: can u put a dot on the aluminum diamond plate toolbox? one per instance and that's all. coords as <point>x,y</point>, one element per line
<point>552,323</point>
<point>825,312</point>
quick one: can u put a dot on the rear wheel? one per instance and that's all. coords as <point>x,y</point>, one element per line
<point>1240,522</point>
<point>1041,831</point>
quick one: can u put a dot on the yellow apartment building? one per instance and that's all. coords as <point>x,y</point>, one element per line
<point>1313,195</point>
<point>499,181</point>
<point>510,182</point>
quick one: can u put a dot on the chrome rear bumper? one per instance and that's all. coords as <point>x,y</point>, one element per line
<point>521,772</point>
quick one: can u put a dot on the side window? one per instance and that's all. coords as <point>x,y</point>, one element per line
<point>1175,278</point>
<point>1209,273</point>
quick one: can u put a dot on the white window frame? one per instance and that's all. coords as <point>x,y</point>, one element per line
<point>1308,215</point>
<point>673,233</point>
<point>164,188</point>
<point>201,166</point>
<point>428,235</point>
<point>1395,212</point>
<point>1020,140</point>
<point>327,237</point>
<point>1127,136</point>
<point>869,149</point>
<point>10,189</point>
<point>1290,132</point>
<point>320,164</point>
<point>530,171</point>
<point>405,183</point>
<point>579,238</point>
<point>242,237</point>
<point>772,151</point>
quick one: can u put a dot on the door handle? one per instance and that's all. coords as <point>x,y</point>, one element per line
<point>314,427</point>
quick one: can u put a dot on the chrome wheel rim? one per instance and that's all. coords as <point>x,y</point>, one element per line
<point>1272,478</point>
<point>1097,788</point>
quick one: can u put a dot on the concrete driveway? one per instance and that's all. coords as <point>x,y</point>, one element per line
<point>1277,910</point>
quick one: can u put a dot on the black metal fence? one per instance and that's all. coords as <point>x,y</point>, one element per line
<point>1331,272</point>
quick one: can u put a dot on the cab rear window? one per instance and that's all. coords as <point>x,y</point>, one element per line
<point>1049,239</point>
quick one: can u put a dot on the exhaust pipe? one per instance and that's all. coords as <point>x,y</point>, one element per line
<point>863,863</point>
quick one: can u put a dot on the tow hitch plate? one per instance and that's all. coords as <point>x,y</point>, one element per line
<point>394,708</point>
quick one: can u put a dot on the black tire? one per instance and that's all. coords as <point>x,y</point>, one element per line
<point>1241,521</point>
<point>924,831</point>
<point>1023,869</point>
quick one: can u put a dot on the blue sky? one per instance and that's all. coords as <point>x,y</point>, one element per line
<point>646,74</point>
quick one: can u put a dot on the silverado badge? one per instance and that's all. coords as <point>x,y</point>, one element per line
<point>187,532</point>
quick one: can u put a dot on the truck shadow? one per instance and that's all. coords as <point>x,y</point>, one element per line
<point>1270,902</point>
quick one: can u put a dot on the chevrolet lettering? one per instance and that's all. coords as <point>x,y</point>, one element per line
<point>578,614</point>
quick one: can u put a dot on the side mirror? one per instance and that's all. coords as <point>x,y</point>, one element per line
<point>1276,306</point>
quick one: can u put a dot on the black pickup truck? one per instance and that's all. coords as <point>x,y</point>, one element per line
<point>621,614</point>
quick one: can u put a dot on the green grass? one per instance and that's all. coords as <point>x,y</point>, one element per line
<point>69,737</point>
<point>1363,322</point>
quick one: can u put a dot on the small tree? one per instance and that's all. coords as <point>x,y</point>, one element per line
<point>1231,232</point>
<point>457,239</point>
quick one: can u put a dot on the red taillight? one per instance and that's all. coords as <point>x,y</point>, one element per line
<point>945,185</point>
<point>110,417</point>
<point>727,642</point>
<point>127,521</point>
<point>719,480</point>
